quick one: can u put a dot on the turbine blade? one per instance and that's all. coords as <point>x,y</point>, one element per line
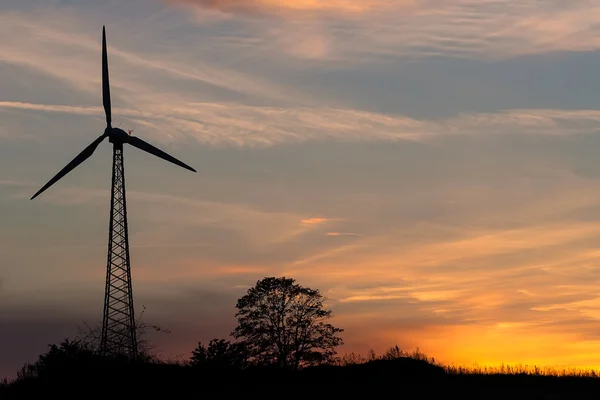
<point>105,82</point>
<point>147,147</point>
<point>84,155</point>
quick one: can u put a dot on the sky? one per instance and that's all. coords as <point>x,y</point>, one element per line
<point>430,166</point>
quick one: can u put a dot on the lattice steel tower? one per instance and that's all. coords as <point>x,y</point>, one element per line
<point>118,324</point>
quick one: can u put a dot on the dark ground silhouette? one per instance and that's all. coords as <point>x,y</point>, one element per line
<point>68,371</point>
<point>283,347</point>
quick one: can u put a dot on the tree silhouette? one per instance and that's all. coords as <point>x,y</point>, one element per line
<point>220,353</point>
<point>67,357</point>
<point>283,323</point>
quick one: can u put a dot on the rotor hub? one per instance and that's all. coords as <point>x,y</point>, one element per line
<point>117,135</point>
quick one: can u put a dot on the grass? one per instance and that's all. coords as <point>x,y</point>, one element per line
<point>520,369</point>
<point>452,369</point>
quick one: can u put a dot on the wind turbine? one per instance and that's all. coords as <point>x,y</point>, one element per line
<point>118,323</point>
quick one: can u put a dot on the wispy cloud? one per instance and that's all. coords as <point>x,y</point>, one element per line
<point>9,182</point>
<point>258,228</point>
<point>81,68</point>
<point>79,110</point>
<point>314,221</point>
<point>144,94</point>
<point>414,30</point>
<point>234,124</point>
<point>282,6</point>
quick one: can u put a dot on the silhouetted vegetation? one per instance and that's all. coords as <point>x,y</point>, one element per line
<point>221,353</point>
<point>281,325</point>
<point>89,337</point>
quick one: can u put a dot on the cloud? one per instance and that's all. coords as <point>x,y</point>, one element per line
<point>81,67</point>
<point>258,229</point>
<point>314,221</point>
<point>409,30</point>
<point>238,125</point>
<point>369,33</point>
<point>10,182</point>
<point>168,105</point>
<point>78,110</point>
<point>282,6</point>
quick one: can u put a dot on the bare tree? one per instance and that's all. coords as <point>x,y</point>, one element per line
<point>89,337</point>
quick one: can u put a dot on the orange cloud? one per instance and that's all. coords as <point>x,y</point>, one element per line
<point>314,221</point>
<point>251,6</point>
